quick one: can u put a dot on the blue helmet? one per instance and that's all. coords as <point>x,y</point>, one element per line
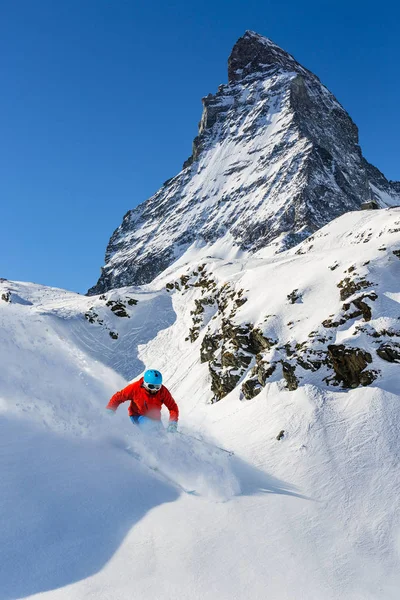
<point>152,379</point>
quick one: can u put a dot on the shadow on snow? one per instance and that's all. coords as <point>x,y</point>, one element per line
<point>67,503</point>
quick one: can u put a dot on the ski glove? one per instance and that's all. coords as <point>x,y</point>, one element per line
<point>172,427</point>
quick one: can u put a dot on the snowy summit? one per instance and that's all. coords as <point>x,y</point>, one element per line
<point>275,159</point>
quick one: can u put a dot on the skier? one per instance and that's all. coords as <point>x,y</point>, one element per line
<point>146,399</point>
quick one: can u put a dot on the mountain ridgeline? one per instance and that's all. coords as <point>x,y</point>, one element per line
<point>275,159</point>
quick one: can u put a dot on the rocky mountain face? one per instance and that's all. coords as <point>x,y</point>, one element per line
<point>275,159</point>
<point>323,313</point>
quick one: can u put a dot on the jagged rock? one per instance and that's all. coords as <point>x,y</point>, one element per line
<point>396,253</point>
<point>389,351</point>
<point>240,301</point>
<point>6,297</point>
<point>258,342</point>
<point>328,323</point>
<point>201,303</point>
<point>209,346</point>
<point>322,173</point>
<point>92,316</point>
<point>280,435</point>
<point>362,307</point>
<point>294,297</point>
<point>222,383</point>
<point>237,360</point>
<point>349,365</point>
<point>113,335</point>
<point>292,383</point>
<point>251,388</point>
<point>372,205</point>
<point>118,308</point>
<point>263,371</point>
<point>362,310</point>
<point>348,287</point>
<point>194,333</point>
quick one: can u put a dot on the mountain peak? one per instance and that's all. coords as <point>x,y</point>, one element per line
<point>255,53</point>
<point>276,157</point>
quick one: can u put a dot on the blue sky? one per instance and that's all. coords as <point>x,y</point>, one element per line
<point>100,102</point>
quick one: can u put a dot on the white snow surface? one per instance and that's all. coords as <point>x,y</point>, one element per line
<point>83,513</point>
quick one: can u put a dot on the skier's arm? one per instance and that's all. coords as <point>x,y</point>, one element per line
<point>120,397</point>
<point>171,405</point>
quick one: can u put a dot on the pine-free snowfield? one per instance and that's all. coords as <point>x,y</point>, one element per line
<point>312,516</point>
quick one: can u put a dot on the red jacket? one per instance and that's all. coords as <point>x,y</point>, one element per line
<point>144,403</point>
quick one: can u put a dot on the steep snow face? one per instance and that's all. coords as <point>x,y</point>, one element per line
<point>276,158</point>
<point>308,503</point>
<point>325,312</point>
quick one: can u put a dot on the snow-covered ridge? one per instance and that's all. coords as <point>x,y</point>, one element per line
<point>308,502</point>
<point>276,158</point>
<point>325,312</point>
<point>250,320</point>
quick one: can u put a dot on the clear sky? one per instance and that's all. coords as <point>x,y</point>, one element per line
<point>100,101</point>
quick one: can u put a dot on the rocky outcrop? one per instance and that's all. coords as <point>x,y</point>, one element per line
<point>288,371</point>
<point>389,351</point>
<point>348,286</point>
<point>241,354</point>
<point>118,308</point>
<point>229,353</point>
<point>349,365</point>
<point>247,178</point>
<point>294,297</point>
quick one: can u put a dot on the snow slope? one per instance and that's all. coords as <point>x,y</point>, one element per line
<point>313,515</point>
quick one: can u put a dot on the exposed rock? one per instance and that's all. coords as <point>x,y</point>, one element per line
<point>118,308</point>
<point>251,388</point>
<point>389,351</point>
<point>372,205</point>
<point>209,346</point>
<point>113,335</point>
<point>396,253</point>
<point>294,297</point>
<point>222,383</point>
<point>280,435</point>
<point>92,316</point>
<point>292,383</point>
<point>349,365</point>
<point>263,370</point>
<point>258,342</point>
<point>363,309</point>
<point>348,287</point>
<point>6,297</point>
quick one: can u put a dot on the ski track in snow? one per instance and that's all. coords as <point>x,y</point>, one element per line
<point>313,516</point>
